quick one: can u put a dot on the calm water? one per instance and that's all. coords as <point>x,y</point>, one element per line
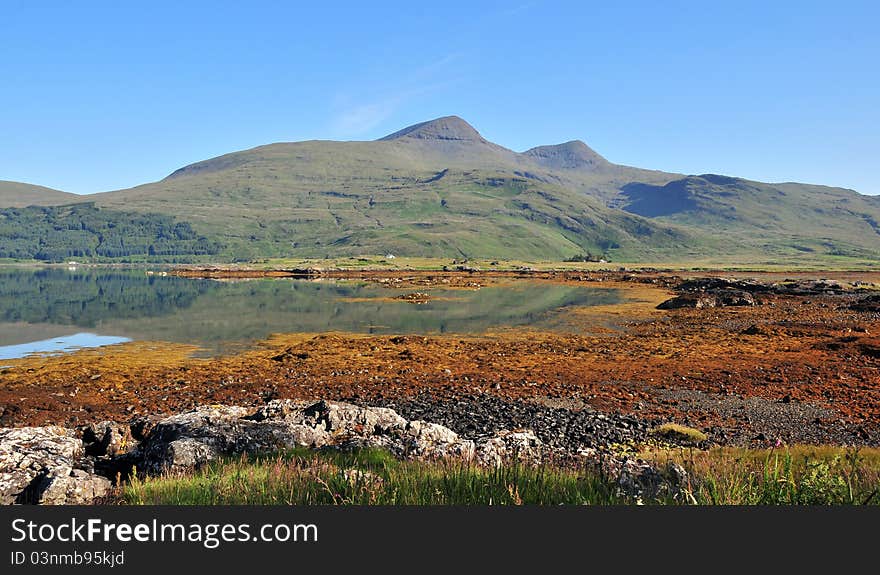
<point>57,310</point>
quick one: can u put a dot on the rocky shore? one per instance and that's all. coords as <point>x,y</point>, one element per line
<point>54,465</point>
<point>749,362</point>
<point>572,429</point>
<point>569,430</point>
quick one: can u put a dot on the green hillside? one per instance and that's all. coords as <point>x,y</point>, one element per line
<point>765,218</point>
<point>82,231</point>
<point>440,189</point>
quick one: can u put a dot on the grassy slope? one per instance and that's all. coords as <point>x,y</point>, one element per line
<point>774,219</point>
<point>313,199</point>
<point>20,195</point>
<point>447,192</point>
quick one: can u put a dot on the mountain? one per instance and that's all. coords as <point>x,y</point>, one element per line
<point>439,188</point>
<point>765,217</point>
<point>572,155</point>
<point>19,195</point>
<point>434,189</point>
<point>450,128</point>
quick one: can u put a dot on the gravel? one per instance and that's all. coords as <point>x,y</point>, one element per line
<point>765,421</point>
<point>760,422</point>
<point>477,417</point>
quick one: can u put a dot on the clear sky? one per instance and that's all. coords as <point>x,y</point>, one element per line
<point>96,96</point>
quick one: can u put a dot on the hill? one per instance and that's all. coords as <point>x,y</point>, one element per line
<point>20,195</point>
<point>767,218</point>
<point>435,189</point>
<point>439,188</point>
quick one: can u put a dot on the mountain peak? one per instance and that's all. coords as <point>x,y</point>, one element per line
<point>570,155</point>
<point>445,128</point>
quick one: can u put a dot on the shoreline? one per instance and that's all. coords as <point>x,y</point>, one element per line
<point>799,364</point>
<point>785,362</point>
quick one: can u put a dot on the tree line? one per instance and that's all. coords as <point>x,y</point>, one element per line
<point>85,231</point>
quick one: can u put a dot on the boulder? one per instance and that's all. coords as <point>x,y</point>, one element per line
<point>712,284</point>
<point>283,409</point>
<point>734,297</point>
<point>715,298</point>
<point>346,419</point>
<point>77,488</point>
<point>507,446</point>
<point>434,441</point>
<point>197,437</point>
<point>52,465</point>
<point>694,300</point>
<point>43,465</point>
<point>643,480</point>
<point>194,438</point>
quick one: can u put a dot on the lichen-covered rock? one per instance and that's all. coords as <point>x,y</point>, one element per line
<point>694,300</point>
<point>194,438</point>
<point>643,480</point>
<point>39,465</point>
<point>507,446</point>
<point>361,478</point>
<point>52,465</point>
<point>180,454</point>
<point>77,488</point>
<point>424,439</point>
<point>283,409</point>
<point>199,436</point>
<point>347,419</point>
<point>734,297</point>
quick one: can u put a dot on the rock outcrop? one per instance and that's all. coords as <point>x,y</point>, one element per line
<point>870,303</point>
<point>711,292</point>
<point>192,439</point>
<point>46,465</point>
<point>53,465</point>
<point>715,298</point>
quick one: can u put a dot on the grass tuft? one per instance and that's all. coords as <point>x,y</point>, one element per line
<point>677,432</point>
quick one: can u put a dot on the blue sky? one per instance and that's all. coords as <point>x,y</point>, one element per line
<point>105,95</point>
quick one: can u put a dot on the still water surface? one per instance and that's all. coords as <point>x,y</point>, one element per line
<point>52,310</point>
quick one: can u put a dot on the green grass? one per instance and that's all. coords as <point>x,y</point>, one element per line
<point>793,475</point>
<point>368,477</point>
<point>371,477</point>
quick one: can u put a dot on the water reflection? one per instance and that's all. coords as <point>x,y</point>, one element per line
<point>220,316</point>
<point>59,344</point>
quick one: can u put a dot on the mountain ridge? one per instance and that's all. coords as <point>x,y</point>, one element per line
<point>439,188</point>
<point>21,194</point>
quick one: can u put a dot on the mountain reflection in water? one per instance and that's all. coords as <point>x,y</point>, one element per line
<point>222,316</point>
